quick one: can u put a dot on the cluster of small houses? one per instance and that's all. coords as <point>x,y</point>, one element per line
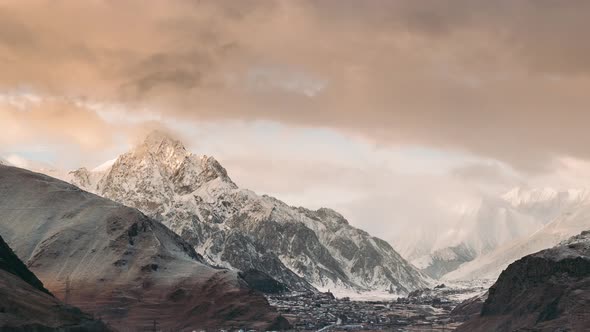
<point>323,312</point>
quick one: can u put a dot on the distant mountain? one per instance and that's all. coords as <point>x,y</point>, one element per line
<point>443,261</point>
<point>479,229</point>
<point>25,304</point>
<point>545,291</point>
<point>572,221</point>
<point>232,227</point>
<point>497,231</point>
<point>546,204</point>
<point>117,263</point>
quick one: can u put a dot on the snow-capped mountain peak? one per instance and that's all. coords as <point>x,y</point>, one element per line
<point>159,140</point>
<point>165,151</point>
<point>194,196</point>
<point>519,196</point>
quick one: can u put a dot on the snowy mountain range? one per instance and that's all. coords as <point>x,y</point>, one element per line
<point>573,219</point>
<point>497,231</point>
<point>546,204</point>
<point>478,230</point>
<point>236,228</point>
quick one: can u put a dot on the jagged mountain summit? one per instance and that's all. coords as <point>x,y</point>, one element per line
<point>114,262</point>
<point>233,227</point>
<point>545,291</point>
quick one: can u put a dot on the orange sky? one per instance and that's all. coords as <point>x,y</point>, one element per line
<point>505,79</point>
<point>493,89</point>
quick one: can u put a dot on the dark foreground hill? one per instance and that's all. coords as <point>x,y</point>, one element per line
<point>25,305</point>
<point>116,263</point>
<point>545,291</point>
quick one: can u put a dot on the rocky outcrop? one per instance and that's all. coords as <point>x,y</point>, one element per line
<point>262,282</point>
<point>546,291</point>
<point>9,262</point>
<point>233,227</point>
<point>469,308</point>
<point>118,264</point>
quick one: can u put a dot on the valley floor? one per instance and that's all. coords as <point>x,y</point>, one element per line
<point>427,310</point>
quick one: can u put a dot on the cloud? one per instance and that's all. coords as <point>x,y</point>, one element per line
<point>491,174</point>
<point>60,121</point>
<point>504,79</point>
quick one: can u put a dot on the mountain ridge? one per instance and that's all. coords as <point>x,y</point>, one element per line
<point>195,197</point>
<point>492,264</point>
<point>117,263</point>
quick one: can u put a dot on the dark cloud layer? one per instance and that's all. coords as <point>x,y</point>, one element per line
<point>504,79</point>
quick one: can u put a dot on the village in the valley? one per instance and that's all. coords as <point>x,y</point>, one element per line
<point>421,310</point>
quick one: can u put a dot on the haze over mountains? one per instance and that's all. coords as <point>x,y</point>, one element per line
<point>497,231</point>
<point>232,227</point>
<point>128,269</point>
<point>573,219</point>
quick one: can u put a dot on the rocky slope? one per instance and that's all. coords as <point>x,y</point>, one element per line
<point>545,291</point>
<point>470,308</point>
<point>25,304</point>
<point>194,196</point>
<point>114,262</point>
